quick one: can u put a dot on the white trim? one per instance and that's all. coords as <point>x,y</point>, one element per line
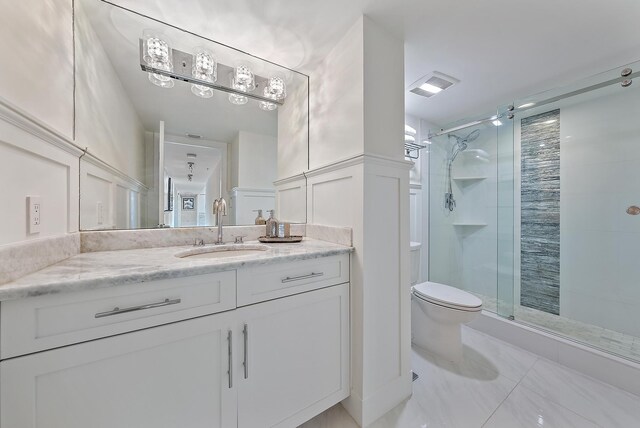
<point>94,160</point>
<point>287,180</point>
<point>357,160</point>
<point>37,128</point>
<point>253,190</point>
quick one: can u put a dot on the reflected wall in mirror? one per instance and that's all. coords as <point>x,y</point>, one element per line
<point>172,121</point>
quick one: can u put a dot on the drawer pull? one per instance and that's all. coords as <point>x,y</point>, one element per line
<point>117,311</point>
<point>298,278</point>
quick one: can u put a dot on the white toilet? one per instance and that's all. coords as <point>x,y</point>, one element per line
<point>437,314</point>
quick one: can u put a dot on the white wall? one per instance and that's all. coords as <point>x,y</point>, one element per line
<point>36,44</point>
<point>337,102</point>
<point>254,160</point>
<point>36,81</point>
<point>293,131</point>
<point>358,179</point>
<point>106,120</point>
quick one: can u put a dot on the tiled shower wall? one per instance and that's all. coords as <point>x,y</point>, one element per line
<point>540,212</point>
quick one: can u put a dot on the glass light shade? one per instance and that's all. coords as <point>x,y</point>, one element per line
<point>236,98</point>
<point>265,105</point>
<point>276,88</point>
<point>243,76</point>
<point>156,48</point>
<point>202,91</point>
<point>157,54</point>
<point>204,66</point>
<point>159,79</point>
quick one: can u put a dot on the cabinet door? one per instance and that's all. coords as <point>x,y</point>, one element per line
<point>296,357</point>
<point>170,376</point>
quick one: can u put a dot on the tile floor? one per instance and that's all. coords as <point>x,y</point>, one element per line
<point>624,345</point>
<point>499,386</point>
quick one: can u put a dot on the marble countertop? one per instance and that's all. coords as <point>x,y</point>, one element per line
<point>113,268</point>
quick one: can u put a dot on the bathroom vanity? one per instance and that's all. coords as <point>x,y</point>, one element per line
<point>143,338</point>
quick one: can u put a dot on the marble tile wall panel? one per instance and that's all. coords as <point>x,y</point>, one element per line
<point>540,212</point>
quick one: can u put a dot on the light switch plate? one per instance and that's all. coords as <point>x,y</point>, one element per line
<point>34,214</point>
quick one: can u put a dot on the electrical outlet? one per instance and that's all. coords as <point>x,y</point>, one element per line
<point>99,213</point>
<point>34,214</point>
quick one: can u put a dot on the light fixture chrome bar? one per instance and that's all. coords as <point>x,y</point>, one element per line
<point>182,64</point>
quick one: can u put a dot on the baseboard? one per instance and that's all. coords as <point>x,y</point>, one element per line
<point>609,368</point>
<point>366,411</point>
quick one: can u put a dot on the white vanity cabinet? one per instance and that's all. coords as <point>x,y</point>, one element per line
<point>294,357</point>
<point>168,376</point>
<point>180,353</point>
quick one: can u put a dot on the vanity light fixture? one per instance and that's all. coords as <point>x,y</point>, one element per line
<point>157,54</point>
<point>164,65</point>
<point>204,68</point>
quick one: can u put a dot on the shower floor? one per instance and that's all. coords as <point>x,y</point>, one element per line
<point>621,344</point>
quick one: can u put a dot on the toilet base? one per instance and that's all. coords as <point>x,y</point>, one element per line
<point>442,340</point>
<point>439,330</point>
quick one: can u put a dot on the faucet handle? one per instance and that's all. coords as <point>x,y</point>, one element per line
<point>198,242</point>
<point>239,239</point>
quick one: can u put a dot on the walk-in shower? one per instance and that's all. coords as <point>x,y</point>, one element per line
<point>544,226</point>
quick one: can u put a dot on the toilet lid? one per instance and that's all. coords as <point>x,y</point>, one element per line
<point>446,295</point>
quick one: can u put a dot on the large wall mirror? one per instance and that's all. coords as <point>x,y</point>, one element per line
<point>172,121</point>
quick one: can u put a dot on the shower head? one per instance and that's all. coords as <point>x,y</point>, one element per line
<point>462,142</point>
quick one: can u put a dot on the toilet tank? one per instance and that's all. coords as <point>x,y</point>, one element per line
<point>414,262</point>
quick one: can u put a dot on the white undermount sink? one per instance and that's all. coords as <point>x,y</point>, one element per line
<point>221,251</point>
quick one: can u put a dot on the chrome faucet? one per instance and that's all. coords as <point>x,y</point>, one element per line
<point>219,209</point>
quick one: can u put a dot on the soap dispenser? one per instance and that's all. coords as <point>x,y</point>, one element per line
<point>272,225</point>
<point>260,219</point>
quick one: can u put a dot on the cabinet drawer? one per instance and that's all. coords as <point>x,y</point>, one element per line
<point>284,279</point>
<point>45,322</point>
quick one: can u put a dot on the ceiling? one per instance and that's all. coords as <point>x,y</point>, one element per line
<point>499,49</point>
<point>175,163</point>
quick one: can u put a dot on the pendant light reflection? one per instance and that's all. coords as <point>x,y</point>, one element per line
<point>204,68</point>
<point>157,54</point>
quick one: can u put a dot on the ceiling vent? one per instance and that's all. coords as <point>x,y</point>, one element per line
<point>432,84</point>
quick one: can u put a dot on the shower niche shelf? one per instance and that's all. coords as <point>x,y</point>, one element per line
<point>470,224</point>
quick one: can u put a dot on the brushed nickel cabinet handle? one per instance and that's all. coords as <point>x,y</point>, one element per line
<point>298,278</point>
<point>230,372</point>
<point>245,332</point>
<point>118,311</point>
